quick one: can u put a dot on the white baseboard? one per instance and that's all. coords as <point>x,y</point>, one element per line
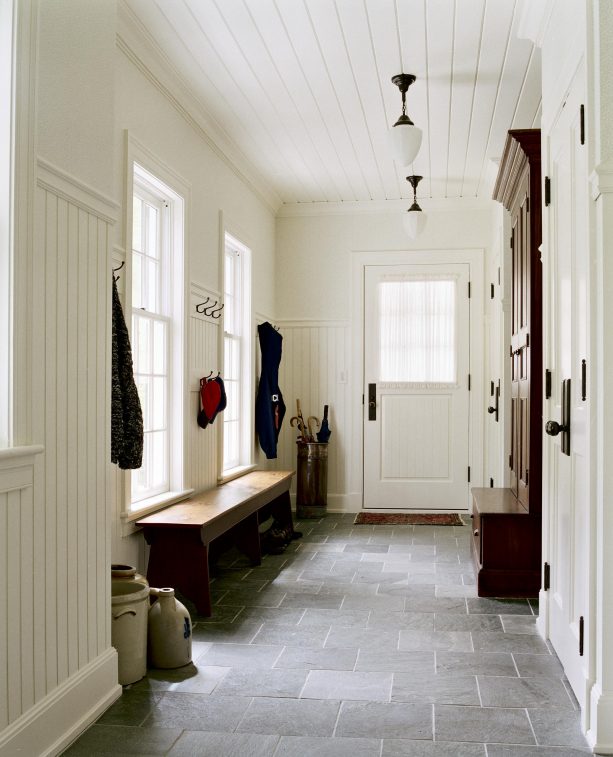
<point>339,503</point>
<point>53,723</point>
<point>600,732</point>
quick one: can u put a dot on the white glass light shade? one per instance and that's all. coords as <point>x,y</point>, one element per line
<point>414,222</point>
<point>405,141</point>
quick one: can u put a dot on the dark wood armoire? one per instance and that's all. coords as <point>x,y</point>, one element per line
<point>507,522</point>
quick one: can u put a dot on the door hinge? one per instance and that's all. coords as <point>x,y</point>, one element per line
<point>547,190</point>
<point>583,380</point>
<point>546,577</point>
<point>362,399</point>
<point>469,382</point>
<point>510,350</point>
<point>491,483</point>
<point>581,631</point>
<point>511,242</point>
<point>469,290</point>
<point>582,123</point>
<point>510,461</point>
<point>547,383</point>
<point>527,476</point>
<point>527,204</point>
<point>498,275</point>
<point>469,474</point>
<point>491,291</point>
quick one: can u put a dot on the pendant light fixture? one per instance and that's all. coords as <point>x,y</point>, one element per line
<point>414,219</point>
<point>405,137</point>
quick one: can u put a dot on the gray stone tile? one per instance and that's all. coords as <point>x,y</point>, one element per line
<point>366,548</point>
<point>296,585</point>
<point>393,720</point>
<point>375,602</point>
<point>294,636</point>
<point>314,618</point>
<point>374,659</point>
<point>523,692</point>
<point>534,665</point>
<point>297,658</point>
<point>308,746</point>
<point>457,622</point>
<point>262,683</point>
<point>202,679</point>
<point>338,684</point>
<point>321,601</point>
<point>450,641</point>
<point>198,712</point>
<point>492,641</point>
<point>415,621</point>
<point>475,663</point>
<point>271,616</point>
<point>453,723</point>
<point>455,605</point>
<point>231,633</point>
<point>242,598</point>
<point>557,728</point>
<point>203,744</point>
<point>389,579</point>
<point>324,549</point>
<point>107,740</point>
<point>435,689</point>
<point>131,708</point>
<point>406,748</point>
<point>241,655</point>
<point>290,717</point>
<point>362,637</point>
<point>445,588</point>
<point>499,606</point>
<point>221,614</point>
<point>519,624</point>
<point>504,750</point>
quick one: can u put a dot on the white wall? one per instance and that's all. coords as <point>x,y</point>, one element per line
<point>314,295</point>
<point>59,670</point>
<point>219,197</point>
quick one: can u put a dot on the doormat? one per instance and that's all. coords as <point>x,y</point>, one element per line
<point>408,519</point>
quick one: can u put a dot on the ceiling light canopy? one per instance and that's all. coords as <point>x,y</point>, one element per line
<point>405,137</point>
<point>414,219</point>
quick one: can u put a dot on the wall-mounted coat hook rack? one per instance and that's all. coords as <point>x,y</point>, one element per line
<point>119,267</point>
<point>200,307</point>
<point>217,313</point>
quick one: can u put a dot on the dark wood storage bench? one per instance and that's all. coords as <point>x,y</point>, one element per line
<point>506,545</point>
<point>180,536</point>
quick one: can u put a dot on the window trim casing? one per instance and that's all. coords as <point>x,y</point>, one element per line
<point>180,208</point>
<point>240,240</point>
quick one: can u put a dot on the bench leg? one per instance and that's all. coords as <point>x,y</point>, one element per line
<point>179,559</point>
<point>281,511</point>
<point>248,538</point>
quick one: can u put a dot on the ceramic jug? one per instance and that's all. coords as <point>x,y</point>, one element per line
<point>170,631</point>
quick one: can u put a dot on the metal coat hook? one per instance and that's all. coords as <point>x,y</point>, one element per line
<point>119,267</point>
<point>209,308</point>
<point>217,313</point>
<point>200,307</point>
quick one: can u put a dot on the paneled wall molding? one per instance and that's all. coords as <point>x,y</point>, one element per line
<point>13,456</point>
<point>17,470</point>
<point>75,191</point>
<point>49,727</point>
<point>143,52</point>
<point>601,179</point>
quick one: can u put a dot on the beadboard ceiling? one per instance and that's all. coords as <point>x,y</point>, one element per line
<point>299,91</point>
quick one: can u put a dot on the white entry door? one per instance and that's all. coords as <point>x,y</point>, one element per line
<point>567,521</point>
<point>416,401</point>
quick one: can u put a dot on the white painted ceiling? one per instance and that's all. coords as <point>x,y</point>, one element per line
<point>300,90</point>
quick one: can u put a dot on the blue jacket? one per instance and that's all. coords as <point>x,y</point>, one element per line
<point>269,405</point>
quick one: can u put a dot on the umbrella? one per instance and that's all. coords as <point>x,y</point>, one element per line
<point>324,432</point>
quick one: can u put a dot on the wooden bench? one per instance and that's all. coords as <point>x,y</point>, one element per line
<point>180,535</point>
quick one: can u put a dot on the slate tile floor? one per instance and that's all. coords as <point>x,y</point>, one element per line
<point>358,641</point>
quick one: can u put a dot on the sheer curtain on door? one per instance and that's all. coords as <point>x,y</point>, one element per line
<point>417,335</point>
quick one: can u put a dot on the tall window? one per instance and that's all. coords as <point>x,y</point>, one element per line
<point>157,256</point>
<point>237,427</point>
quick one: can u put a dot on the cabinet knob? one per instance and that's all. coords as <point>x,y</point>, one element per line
<point>553,428</point>
<point>491,410</point>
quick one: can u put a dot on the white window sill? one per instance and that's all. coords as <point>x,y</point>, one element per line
<point>151,505</point>
<point>233,473</point>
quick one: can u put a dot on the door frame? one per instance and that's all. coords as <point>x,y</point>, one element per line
<point>475,259</point>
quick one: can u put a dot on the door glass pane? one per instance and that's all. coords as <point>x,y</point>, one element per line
<point>417,330</point>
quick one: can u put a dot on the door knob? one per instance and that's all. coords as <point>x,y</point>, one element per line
<point>491,410</point>
<point>553,428</point>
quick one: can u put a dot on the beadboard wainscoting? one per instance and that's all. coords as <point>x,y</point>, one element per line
<point>205,336</point>
<point>58,527</point>
<point>314,369</point>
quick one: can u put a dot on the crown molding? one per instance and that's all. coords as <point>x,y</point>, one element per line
<point>449,205</point>
<point>139,47</point>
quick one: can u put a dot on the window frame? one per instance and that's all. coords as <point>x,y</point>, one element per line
<point>176,191</point>
<point>230,241</point>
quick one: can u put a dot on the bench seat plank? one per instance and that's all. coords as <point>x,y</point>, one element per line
<point>179,535</point>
